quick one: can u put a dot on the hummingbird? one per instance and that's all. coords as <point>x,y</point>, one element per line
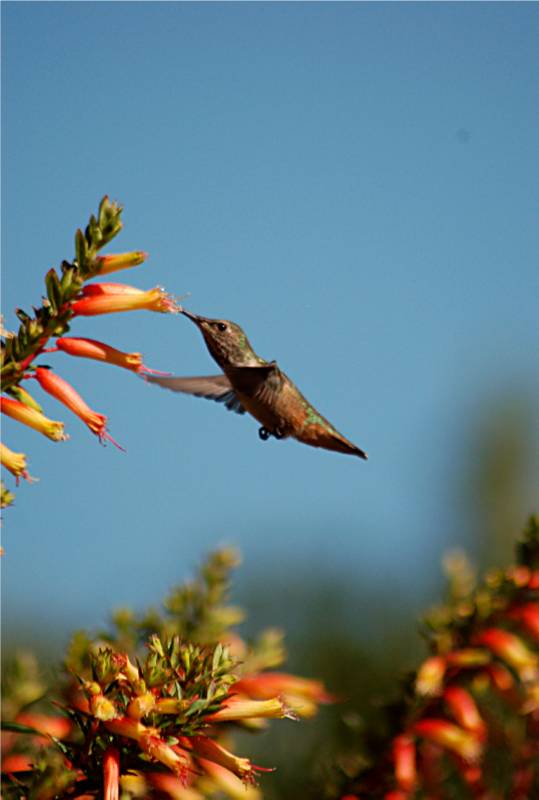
<point>250,384</point>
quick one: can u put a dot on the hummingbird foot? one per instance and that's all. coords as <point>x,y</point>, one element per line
<point>265,434</point>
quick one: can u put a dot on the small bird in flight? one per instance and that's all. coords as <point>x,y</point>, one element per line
<point>250,384</point>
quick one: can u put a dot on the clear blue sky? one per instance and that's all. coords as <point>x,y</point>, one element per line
<point>357,185</point>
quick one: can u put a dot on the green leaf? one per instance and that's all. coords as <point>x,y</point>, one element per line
<point>54,291</point>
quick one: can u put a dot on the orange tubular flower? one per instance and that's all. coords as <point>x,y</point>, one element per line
<point>512,650</point>
<point>15,463</point>
<point>206,748</point>
<point>111,773</point>
<point>404,758</point>
<point>528,615</point>
<point>34,419</point>
<point>46,724</point>
<point>118,261</point>
<point>430,676</point>
<point>229,783</point>
<point>301,694</point>
<point>463,707</point>
<point>90,348</point>
<point>149,742</point>
<point>237,709</point>
<point>66,394</point>
<point>109,298</point>
<point>465,744</point>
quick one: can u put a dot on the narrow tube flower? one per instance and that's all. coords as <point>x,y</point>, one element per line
<point>464,709</point>
<point>46,724</point>
<point>101,298</point>
<point>229,783</point>
<point>404,760</point>
<point>99,351</point>
<point>512,650</point>
<point>149,742</point>
<point>234,710</point>
<point>15,463</point>
<point>300,694</point>
<point>171,786</point>
<point>66,394</point>
<point>208,749</point>
<point>465,744</point>
<point>117,261</point>
<point>34,419</point>
<point>111,773</point>
<point>141,706</point>
<point>468,657</point>
<point>528,615</point>
<point>430,676</point>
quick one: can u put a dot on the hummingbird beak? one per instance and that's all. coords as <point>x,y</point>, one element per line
<point>193,317</point>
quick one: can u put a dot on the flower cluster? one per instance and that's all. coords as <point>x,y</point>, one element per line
<point>157,721</point>
<point>468,726</point>
<point>68,296</point>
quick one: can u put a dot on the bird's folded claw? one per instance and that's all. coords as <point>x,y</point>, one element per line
<point>264,434</point>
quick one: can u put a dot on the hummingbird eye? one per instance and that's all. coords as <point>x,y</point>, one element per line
<point>221,327</point>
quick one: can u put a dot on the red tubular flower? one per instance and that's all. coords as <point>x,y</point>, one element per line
<point>468,657</point>
<point>512,650</point>
<point>117,261</point>
<point>528,615</point>
<point>404,760</point>
<point>111,773</point>
<point>301,694</point>
<point>237,709</point>
<point>98,351</point>
<point>430,676</point>
<point>171,786</point>
<point>465,744</point>
<point>229,783</point>
<point>48,725</point>
<point>34,419</point>
<point>395,795</point>
<point>464,709</point>
<point>66,394</point>
<point>109,298</point>
<point>149,742</point>
<point>206,748</point>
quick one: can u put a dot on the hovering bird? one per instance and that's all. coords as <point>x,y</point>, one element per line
<point>250,384</point>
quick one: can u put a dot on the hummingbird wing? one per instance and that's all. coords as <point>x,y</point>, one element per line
<point>212,387</point>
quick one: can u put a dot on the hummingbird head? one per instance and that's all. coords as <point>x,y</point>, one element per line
<point>226,341</point>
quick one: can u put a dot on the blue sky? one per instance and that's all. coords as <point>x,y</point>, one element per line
<point>357,186</point>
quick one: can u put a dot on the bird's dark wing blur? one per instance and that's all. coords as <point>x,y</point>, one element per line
<point>212,387</point>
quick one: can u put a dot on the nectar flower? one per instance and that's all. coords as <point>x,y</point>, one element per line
<point>117,261</point>
<point>111,773</point>
<point>233,710</point>
<point>66,394</point>
<point>301,694</point>
<point>512,650</point>
<point>430,676</point>
<point>90,348</point>
<point>464,709</point>
<point>404,759</point>
<point>206,748</point>
<point>15,463</point>
<point>110,298</point>
<point>528,615</point>
<point>229,783</point>
<point>464,743</point>
<point>34,419</point>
